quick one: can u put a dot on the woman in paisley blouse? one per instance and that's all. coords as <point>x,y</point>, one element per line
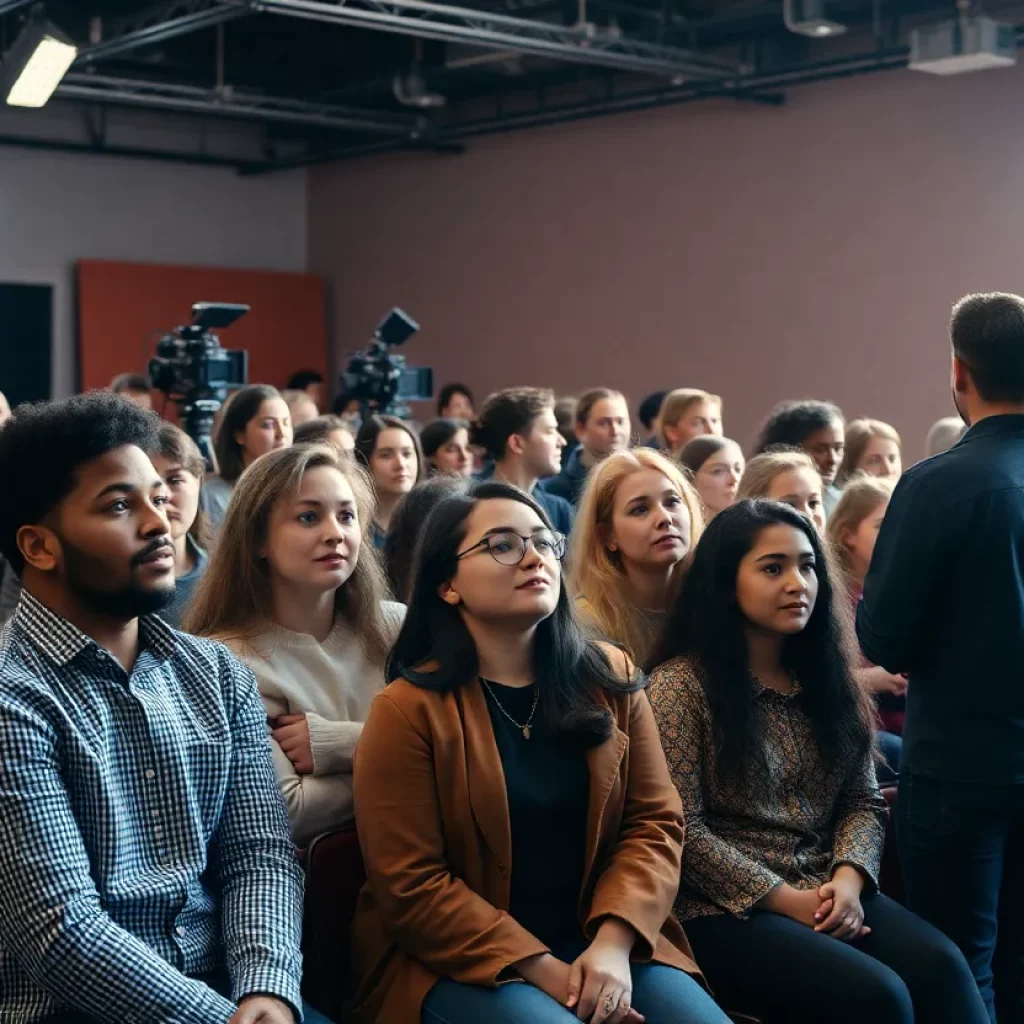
<point>769,742</point>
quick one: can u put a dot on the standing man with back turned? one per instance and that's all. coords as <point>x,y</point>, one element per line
<point>944,601</point>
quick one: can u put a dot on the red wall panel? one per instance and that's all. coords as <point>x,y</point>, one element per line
<point>124,307</point>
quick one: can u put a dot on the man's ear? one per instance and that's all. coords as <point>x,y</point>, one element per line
<point>516,444</point>
<point>39,546</point>
<point>961,376</point>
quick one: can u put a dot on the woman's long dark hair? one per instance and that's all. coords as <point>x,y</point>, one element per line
<point>707,626</point>
<point>436,651</point>
<point>366,441</point>
<point>241,407</point>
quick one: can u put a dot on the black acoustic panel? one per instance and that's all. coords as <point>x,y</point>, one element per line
<point>26,341</point>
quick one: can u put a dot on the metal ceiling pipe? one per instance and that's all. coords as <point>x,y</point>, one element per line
<point>240,106</point>
<point>160,32</point>
<point>489,30</point>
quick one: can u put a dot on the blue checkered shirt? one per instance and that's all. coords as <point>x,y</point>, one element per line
<point>143,841</point>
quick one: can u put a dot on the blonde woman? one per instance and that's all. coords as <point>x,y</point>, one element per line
<point>687,413</point>
<point>852,531</point>
<point>872,447</point>
<point>638,518</point>
<point>296,590</point>
<point>787,475</point>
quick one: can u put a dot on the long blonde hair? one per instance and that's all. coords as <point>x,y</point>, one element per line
<point>764,468</point>
<point>233,601</point>
<point>858,435</point>
<point>596,574</point>
<point>861,496</point>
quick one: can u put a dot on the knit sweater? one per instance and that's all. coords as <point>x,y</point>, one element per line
<point>333,684</point>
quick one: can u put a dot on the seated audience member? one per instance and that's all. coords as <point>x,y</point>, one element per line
<point>602,427</point>
<point>768,738</point>
<point>5,409</point>
<point>256,420</point>
<point>146,870</point>
<point>637,519</point>
<point>455,402</point>
<point>310,382</point>
<point>445,445</point>
<point>818,428</point>
<point>327,429</point>
<point>301,407</point>
<point>852,531</point>
<point>687,413</point>
<point>350,409</point>
<point>407,528</point>
<point>518,431</point>
<point>135,387</point>
<point>648,412</point>
<point>717,466</point>
<point>565,417</point>
<point>299,597</point>
<point>943,435</point>
<point>789,476</point>
<point>388,448</point>
<point>181,467</point>
<point>509,837</point>
<point>872,447</point>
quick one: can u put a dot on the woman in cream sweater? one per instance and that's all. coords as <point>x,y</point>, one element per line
<point>297,592</point>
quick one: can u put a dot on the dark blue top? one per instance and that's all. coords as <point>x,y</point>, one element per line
<point>559,511</point>
<point>569,483</point>
<point>944,601</point>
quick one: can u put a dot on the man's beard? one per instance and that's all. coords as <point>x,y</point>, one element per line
<point>81,570</point>
<point>963,413</point>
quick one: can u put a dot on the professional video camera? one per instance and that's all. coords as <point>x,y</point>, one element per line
<point>380,381</point>
<point>193,370</point>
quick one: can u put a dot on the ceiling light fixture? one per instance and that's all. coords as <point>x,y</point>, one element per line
<point>36,63</point>
<point>807,18</point>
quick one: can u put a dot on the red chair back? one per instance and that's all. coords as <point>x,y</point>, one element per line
<point>334,877</point>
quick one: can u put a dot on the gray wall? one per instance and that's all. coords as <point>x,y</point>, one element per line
<point>58,208</point>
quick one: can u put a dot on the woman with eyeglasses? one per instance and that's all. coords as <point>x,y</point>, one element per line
<point>521,834</point>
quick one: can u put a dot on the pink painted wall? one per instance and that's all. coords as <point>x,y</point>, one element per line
<point>812,250</point>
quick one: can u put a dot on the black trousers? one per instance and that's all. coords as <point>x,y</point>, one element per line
<point>962,853</point>
<point>784,972</point>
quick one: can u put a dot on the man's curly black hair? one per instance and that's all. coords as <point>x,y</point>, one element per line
<point>43,444</point>
<point>791,423</point>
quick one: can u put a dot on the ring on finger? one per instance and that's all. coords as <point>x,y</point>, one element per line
<point>609,1003</point>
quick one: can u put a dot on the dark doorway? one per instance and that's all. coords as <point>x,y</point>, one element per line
<point>26,341</point>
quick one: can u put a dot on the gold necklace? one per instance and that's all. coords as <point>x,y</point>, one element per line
<point>524,726</point>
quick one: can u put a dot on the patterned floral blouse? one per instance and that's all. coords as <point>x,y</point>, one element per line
<point>794,822</point>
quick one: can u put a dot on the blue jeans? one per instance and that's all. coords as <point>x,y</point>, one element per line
<point>962,852</point>
<point>662,994</point>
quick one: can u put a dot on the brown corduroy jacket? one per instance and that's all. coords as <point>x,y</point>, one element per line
<point>433,823</point>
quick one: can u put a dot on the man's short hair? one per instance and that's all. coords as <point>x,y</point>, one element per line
<point>508,412</point>
<point>650,407</point>
<point>586,402</point>
<point>988,337</point>
<point>301,379</point>
<point>130,382</point>
<point>43,444</point>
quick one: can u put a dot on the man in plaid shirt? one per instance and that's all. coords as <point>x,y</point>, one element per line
<point>146,869</point>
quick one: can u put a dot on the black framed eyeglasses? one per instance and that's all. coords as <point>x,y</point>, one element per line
<point>509,548</point>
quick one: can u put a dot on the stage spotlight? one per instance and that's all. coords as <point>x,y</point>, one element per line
<point>34,66</point>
